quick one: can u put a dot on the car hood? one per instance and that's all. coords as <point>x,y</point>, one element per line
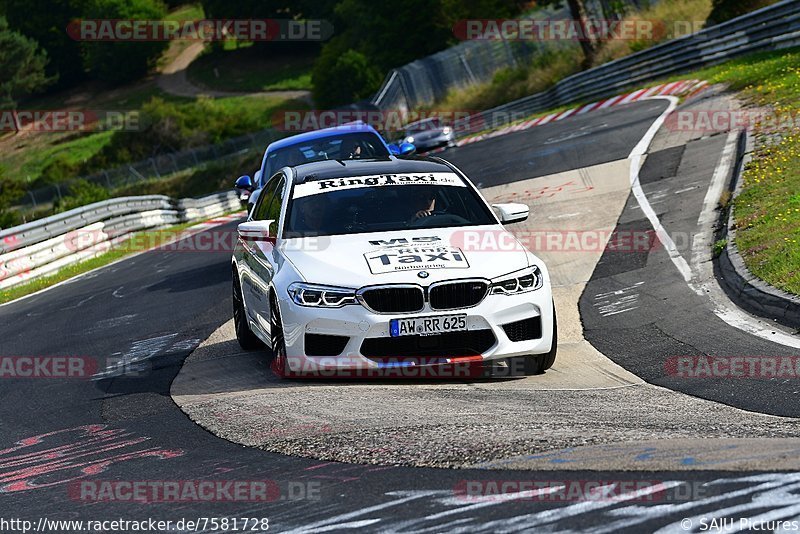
<point>358,260</point>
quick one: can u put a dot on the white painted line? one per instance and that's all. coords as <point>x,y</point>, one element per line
<point>722,307</point>
<point>704,282</point>
<point>636,159</point>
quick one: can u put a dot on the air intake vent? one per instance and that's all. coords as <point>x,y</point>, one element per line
<point>325,345</point>
<point>451,344</point>
<point>524,330</point>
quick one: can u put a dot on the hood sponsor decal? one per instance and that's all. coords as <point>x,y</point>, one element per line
<point>379,180</point>
<point>414,258</point>
<point>394,241</point>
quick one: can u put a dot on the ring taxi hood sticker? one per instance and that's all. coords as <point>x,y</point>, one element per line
<point>415,257</point>
<point>378,180</point>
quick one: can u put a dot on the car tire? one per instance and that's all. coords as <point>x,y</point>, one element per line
<point>278,342</point>
<point>550,358</point>
<point>531,364</point>
<point>246,338</point>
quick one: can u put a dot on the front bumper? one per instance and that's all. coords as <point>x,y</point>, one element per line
<point>358,324</point>
<point>435,142</point>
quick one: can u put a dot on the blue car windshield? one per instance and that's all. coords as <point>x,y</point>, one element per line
<point>383,203</point>
<point>358,145</point>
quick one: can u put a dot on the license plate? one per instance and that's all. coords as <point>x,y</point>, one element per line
<point>426,326</point>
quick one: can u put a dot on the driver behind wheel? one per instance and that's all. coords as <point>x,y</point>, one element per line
<point>424,203</point>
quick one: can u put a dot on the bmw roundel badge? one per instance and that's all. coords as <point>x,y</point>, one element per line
<point>423,274</point>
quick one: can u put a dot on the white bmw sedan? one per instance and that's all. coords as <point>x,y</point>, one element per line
<point>352,265</point>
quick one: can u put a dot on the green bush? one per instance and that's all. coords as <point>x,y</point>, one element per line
<point>10,190</point>
<point>60,169</point>
<point>343,76</point>
<point>170,127</point>
<point>80,194</point>
<point>723,10</point>
<point>121,62</point>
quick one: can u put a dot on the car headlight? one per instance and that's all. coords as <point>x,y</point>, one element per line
<point>446,130</point>
<point>529,279</point>
<point>320,296</point>
<point>410,139</point>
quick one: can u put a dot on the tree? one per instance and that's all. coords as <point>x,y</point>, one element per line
<point>120,62</point>
<point>343,76</point>
<point>723,10</point>
<point>22,66</point>
<point>580,15</point>
<point>45,21</point>
<point>374,37</point>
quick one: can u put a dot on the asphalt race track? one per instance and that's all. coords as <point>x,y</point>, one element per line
<point>140,318</point>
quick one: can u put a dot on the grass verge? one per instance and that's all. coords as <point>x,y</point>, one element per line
<point>252,69</point>
<point>767,211</point>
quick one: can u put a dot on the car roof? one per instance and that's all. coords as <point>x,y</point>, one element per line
<point>423,121</point>
<point>328,169</point>
<point>353,127</point>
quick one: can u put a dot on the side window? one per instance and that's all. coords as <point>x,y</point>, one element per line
<point>274,210</point>
<point>264,199</point>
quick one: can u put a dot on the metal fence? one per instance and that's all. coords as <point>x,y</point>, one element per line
<point>156,167</point>
<point>428,80</point>
<point>771,28</point>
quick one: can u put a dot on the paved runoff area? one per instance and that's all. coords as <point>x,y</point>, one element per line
<point>586,412</point>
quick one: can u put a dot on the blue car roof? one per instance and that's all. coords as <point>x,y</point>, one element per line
<point>356,127</point>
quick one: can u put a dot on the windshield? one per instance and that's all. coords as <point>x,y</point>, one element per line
<point>424,126</point>
<point>387,202</point>
<point>362,145</point>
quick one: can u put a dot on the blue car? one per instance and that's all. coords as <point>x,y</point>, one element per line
<point>355,140</point>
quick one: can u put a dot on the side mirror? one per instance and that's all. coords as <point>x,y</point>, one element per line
<point>511,213</point>
<point>256,231</point>
<point>394,150</point>
<point>407,149</point>
<point>244,182</point>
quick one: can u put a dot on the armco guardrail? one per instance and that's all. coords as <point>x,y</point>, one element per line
<point>43,247</point>
<point>771,28</point>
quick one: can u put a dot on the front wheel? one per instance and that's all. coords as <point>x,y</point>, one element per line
<point>246,338</point>
<point>278,342</point>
